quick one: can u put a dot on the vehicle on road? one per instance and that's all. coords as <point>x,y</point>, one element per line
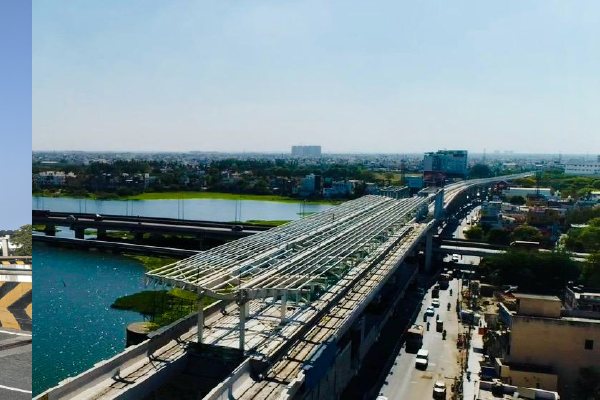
<point>439,390</point>
<point>98,217</point>
<point>435,303</point>
<point>439,326</point>
<point>422,359</point>
<point>455,258</point>
<point>71,219</point>
<point>414,338</point>
<point>435,292</point>
<point>237,228</point>
<point>430,312</point>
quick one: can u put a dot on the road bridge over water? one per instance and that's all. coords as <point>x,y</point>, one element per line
<point>291,313</point>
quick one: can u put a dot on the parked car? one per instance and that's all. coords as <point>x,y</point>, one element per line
<point>439,390</point>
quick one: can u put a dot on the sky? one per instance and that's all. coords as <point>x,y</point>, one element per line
<point>353,76</point>
<point>15,113</point>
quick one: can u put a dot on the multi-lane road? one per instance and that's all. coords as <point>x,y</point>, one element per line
<point>15,358</point>
<point>404,381</point>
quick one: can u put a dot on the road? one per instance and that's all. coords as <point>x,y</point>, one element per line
<point>15,373</point>
<point>404,380</point>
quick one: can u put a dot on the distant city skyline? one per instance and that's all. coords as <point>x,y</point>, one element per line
<point>352,77</point>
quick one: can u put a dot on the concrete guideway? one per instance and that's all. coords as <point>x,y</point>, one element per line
<point>283,293</point>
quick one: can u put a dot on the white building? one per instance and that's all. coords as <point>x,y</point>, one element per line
<point>583,168</point>
<point>52,178</point>
<point>447,162</point>
<point>525,191</point>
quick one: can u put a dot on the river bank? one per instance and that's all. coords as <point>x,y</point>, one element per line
<point>184,196</point>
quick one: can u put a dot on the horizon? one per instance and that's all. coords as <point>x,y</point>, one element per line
<point>258,76</point>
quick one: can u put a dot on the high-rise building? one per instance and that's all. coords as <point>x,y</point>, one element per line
<point>306,151</point>
<point>445,164</point>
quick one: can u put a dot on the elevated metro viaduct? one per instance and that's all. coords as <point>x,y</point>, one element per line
<point>218,232</point>
<point>291,318</point>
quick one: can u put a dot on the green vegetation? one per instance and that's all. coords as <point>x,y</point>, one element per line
<point>123,235</point>
<point>474,233</point>
<point>265,222</point>
<point>541,272</point>
<point>527,233</point>
<point>163,307</point>
<point>574,186</point>
<point>480,171</point>
<point>585,239</point>
<point>498,236</point>
<point>518,200</point>
<point>22,238</point>
<point>151,262</point>
<point>222,196</point>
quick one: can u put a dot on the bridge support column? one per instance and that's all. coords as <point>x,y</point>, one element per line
<point>283,307</point>
<point>80,233</point>
<point>244,310</point>
<point>101,233</point>
<point>200,317</point>
<point>428,251</point>
<point>50,230</point>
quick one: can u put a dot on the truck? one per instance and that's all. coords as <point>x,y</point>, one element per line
<point>414,338</point>
<point>444,281</point>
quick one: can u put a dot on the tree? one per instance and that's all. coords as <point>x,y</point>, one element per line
<point>517,200</point>
<point>474,233</point>
<point>591,271</point>
<point>480,171</point>
<point>527,233</point>
<point>498,236</point>
<point>22,238</point>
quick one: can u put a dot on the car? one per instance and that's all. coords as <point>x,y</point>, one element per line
<point>439,390</point>
<point>98,217</point>
<point>237,228</point>
<point>430,312</point>
<point>422,359</point>
<point>71,219</point>
<point>435,303</point>
<point>455,258</point>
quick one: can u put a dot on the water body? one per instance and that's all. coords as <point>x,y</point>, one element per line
<point>74,326</point>
<point>194,209</point>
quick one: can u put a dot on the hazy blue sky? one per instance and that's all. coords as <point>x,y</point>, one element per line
<point>353,76</point>
<point>15,113</point>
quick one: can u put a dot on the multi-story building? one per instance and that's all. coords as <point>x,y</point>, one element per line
<point>490,214</point>
<point>52,178</point>
<point>583,168</point>
<point>547,347</point>
<point>445,164</point>
<point>306,151</point>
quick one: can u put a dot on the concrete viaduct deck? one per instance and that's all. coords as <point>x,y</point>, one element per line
<point>288,299</point>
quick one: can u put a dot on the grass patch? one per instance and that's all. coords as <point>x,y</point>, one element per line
<point>162,307</point>
<point>152,262</point>
<point>266,222</point>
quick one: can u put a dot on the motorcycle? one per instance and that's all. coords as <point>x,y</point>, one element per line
<point>444,335</point>
<point>449,306</point>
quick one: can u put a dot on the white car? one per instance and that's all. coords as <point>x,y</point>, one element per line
<point>422,359</point>
<point>439,390</point>
<point>435,303</point>
<point>455,258</point>
<point>430,312</point>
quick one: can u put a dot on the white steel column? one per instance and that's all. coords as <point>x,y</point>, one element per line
<point>283,306</point>
<point>200,316</point>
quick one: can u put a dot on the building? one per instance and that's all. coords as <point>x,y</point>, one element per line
<point>309,185</point>
<point>547,346</point>
<point>524,192</point>
<point>52,178</point>
<point>498,391</point>
<point>583,168</point>
<point>339,189</point>
<point>490,214</point>
<point>306,151</point>
<point>445,163</point>
<point>583,299</point>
